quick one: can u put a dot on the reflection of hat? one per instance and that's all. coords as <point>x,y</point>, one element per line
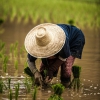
<point>45,40</point>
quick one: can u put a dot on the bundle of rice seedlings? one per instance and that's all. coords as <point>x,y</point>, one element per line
<point>76,83</point>
<point>28,72</point>
<point>58,90</point>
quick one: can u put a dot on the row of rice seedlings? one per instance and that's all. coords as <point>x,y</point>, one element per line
<point>13,57</point>
<point>10,95</point>
<point>51,15</point>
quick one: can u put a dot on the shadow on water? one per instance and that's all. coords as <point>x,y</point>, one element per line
<point>90,63</point>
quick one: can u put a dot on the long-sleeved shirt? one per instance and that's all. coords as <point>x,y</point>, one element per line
<point>74,43</point>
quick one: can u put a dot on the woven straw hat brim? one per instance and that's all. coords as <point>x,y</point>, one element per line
<point>55,45</point>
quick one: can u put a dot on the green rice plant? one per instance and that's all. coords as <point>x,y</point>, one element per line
<point>9,82</point>
<point>14,48</point>
<point>28,84</point>
<point>16,64</point>
<point>10,95</point>
<point>4,67</point>
<point>34,93</point>
<point>17,91</point>
<point>22,51</point>
<point>11,47</point>
<point>76,83</point>
<point>2,86</point>
<point>5,61</point>
<point>15,52</point>
<point>2,45</point>
<point>58,90</point>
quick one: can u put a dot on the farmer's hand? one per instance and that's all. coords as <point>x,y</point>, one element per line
<point>38,78</point>
<point>47,80</point>
<point>48,77</point>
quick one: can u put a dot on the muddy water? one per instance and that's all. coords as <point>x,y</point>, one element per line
<point>90,63</point>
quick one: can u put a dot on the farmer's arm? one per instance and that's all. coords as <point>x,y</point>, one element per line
<point>34,70</point>
<point>31,63</point>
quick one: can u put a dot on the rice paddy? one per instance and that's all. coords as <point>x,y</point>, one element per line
<point>14,83</point>
<point>81,13</point>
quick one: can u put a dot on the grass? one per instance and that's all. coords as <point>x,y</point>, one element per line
<point>62,11</point>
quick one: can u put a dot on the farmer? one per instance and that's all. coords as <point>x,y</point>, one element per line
<point>57,45</point>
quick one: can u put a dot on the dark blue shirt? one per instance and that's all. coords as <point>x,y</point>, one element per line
<point>74,43</point>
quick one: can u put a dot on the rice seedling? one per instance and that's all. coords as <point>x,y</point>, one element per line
<point>76,83</point>
<point>16,64</point>
<point>34,93</point>
<point>25,64</point>
<point>2,86</point>
<point>58,90</point>
<point>10,95</point>
<point>2,45</point>
<point>9,82</point>
<point>5,61</point>
<point>17,91</point>
<point>28,84</point>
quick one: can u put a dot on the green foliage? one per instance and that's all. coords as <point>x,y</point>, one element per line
<point>16,64</point>
<point>34,93</point>
<point>76,71</point>
<point>76,83</point>
<point>83,12</point>
<point>2,45</point>
<point>9,82</point>
<point>1,86</point>
<point>16,91</point>
<point>55,97</point>
<point>10,94</point>
<point>28,84</point>
<point>58,90</point>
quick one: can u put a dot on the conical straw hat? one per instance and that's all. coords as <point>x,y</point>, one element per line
<point>45,40</point>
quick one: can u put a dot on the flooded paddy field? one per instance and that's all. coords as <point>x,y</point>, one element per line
<point>90,63</point>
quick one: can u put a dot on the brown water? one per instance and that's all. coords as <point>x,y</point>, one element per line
<point>90,63</point>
